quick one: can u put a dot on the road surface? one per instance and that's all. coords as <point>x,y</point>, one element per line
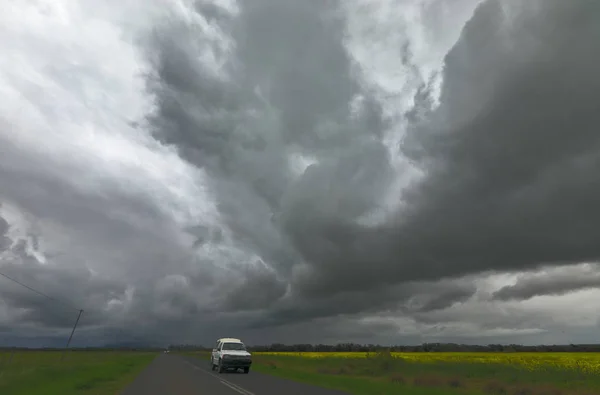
<point>178,375</point>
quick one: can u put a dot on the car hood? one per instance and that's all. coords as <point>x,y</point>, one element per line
<point>236,353</point>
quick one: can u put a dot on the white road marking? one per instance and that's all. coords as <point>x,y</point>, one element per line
<point>229,384</point>
<point>236,388</point>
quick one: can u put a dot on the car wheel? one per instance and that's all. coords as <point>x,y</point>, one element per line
<point>246,370</point>
<point>221,368</point>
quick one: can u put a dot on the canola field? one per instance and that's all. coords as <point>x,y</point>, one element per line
<point>440,373</point>
<point>583,362</point>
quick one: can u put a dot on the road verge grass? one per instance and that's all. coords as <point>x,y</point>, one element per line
<point>79,373</point>
<point>357,385</point>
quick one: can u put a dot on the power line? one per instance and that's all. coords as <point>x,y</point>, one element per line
<point>39,293</point>
<point>58,301</point>
<point>70,306</point>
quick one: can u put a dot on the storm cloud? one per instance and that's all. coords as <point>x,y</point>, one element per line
<point>385,170</point>
<point>509,154</point>
<point>556,281</point>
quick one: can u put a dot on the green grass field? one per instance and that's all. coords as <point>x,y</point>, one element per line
<point>85,373</point>
<point>419,374</point>
<point>103,373</point>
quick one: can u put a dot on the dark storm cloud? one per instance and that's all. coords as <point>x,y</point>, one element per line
<point>97,217</point>
<point>511,156</point>
<point>512,180</point>
<point>289,66</point>
<point>256,289</point>
<point>442,300</point>
<point>408,298</point>
<point>550,283</point>
<point>58,305</point>
<point>4,239</point>
<point>295,52</point>
<point>332,330</point>
<point>127,236</point>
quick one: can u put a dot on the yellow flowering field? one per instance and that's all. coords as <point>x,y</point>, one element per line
<point>588,362</point>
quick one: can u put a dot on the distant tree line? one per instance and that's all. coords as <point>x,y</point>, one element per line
<point>342,347</point>
<point>425,347</point>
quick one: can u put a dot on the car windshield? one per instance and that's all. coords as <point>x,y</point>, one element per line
<point>234,346</point>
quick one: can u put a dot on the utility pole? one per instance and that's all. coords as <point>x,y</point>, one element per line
<point>72,332</point>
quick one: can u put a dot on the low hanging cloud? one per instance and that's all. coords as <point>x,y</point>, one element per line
<point>559,281</point>
<point>193,173</point>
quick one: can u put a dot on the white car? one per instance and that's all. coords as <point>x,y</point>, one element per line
<point>230,353</point>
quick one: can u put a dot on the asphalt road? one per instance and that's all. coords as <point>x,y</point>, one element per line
<point>177,375</point>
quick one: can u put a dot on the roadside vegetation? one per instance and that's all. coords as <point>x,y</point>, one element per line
<point>79,372</point>
<point>458,373</point>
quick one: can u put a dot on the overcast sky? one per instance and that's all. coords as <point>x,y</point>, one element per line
<point>390,171</point>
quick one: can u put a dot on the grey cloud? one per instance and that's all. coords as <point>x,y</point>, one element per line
<point>302,105</point>
<point>258,288</point>
<point>445,298</point>
<point>320,211</point>
<point>510,155</point>
<point>295,52</point>
<point>332,330</point>
<point>512,186</point>
<point>213,12</point>
<point>130,250</point>
<point>549,283</point>
<point>65,290</point>
<point>4,240</point>
<point>408,298</point>
<point>485,315</point>
<point>97,218</point>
